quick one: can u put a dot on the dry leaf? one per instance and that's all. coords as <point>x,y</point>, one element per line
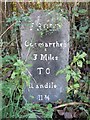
<point>60,112</point>
<point>68,115</point>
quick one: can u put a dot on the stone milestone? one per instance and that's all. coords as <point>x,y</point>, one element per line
<point>45,45</point>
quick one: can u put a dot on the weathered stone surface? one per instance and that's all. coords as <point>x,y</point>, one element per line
<point>52,52</point>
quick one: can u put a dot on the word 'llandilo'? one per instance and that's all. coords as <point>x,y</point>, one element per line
<point>47,85</point>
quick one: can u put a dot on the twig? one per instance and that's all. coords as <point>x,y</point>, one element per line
<point>8,45</point>
<point>27,54</point>
<point>20,5</point>
<point>1,21</point>
<point>2,12</point>
<point>26,61</point>
<point>18,47</point>
<point>7,29</point>
<point>71,104</point>
<point>31,75</point>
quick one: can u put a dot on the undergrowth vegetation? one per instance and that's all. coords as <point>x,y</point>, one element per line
<point>77,73</point>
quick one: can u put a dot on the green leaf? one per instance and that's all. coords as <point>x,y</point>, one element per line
<point>59,72</point>
<point>88,62</point>
<point>75,59</point>
<point>79,63</point>
<point>50,111</point>
<point>83,55</point>
<point>9,20</point>
<point>82,11</point>
<point>68,89</point>
<point>68,77</point>
<point>76,14</point>
<point>49,106</point>
<point>78,35</point>
<point>83,29</point>
<point>13,75</point>
<point>32,115</point>
<point>18,63</point>
<point>28,65</point>
<point>67,67</point>
<point>76,85</point>
<point>83,109</point>
<point>73,73</point>
<point>75,91</point>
